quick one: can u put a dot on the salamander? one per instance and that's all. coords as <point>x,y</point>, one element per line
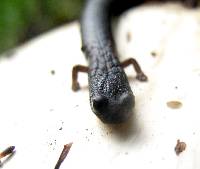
<point>111,97</point>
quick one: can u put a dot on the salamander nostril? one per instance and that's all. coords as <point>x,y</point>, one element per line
<point>99,102</point>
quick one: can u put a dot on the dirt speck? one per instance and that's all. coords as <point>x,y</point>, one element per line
<point>180,147</point>
<point>174,104</point>
<point>128,36</point>
<point>176,87</point>
<point>154,54</point>
<point>53,72</point>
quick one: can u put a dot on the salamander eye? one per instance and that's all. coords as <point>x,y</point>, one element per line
<point>99,103</point>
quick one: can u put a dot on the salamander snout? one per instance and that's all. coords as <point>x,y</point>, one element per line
<point>113,110</point>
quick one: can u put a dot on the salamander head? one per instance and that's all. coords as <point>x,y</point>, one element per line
<point>113,110</point>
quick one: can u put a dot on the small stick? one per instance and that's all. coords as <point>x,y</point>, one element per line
<point>63,155</point>
<point>7,151</point>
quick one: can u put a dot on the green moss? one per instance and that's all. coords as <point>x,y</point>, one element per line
<point>21,19</point>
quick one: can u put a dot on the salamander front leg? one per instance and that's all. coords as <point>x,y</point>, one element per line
<point>76,69</point>
<point>140,75</point>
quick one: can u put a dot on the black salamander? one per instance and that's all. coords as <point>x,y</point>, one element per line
<point>111,97</point>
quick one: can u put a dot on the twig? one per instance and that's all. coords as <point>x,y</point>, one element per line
<point>7,151</point>
<point>63,155</point>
